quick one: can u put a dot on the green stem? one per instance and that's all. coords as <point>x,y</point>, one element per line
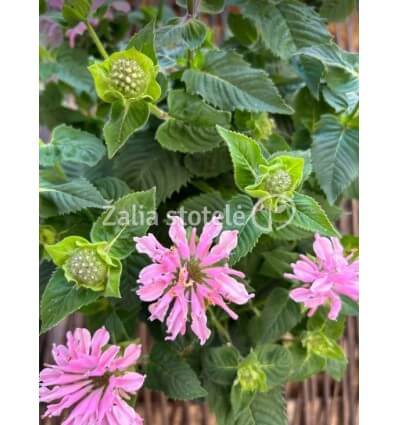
<point>223,331</point>
<point>111,243</point>
<point>159,113</point>
<point>97,41</point>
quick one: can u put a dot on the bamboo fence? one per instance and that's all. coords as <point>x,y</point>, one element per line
<point>317,401</point>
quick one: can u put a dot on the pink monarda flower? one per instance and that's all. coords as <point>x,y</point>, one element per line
<point>331,274</point>
<point>190,275</point>
<point>92,380</point>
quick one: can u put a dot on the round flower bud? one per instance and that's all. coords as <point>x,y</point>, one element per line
<point>128,77</point>
<point>278,182</point>
<point>251,376</point>
<point>87,268</point>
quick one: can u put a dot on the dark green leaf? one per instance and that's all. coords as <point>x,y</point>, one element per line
<point>220,364</point>
<point>144,41</point>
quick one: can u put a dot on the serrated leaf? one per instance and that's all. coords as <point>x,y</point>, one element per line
<point>144,164</point>
<point>304,364</point>
<point>243,28</point>
<point>61,298</point>
<point>220,364</point>
<point>228,82</point>
<point>112,188</point>
<point>72,196</point>
<point>288,25</point>
<point>209,164</point>
<point>125,119</point>
<point>246,157</point>
<point>266,409</point>
<point>335,155</point>
<point>144,41</point>
<point>276,363</point>
<point>168,372</point>
<point>279,315</point>
<point>277,262</point>
<point>337,10</point>
<point>192,126</point>
<point>310,216</point>
<point>70,144</point>
<point>238,215</point>
<point>129,216</point>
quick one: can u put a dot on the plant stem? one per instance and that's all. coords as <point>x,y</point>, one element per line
<point>219,326</point>
<point>159,113</point>
<point>97,41</point>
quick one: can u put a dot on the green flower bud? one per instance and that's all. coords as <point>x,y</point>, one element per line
<point>87,268</point>
<point>251,375</point>
<point>258,125</point>
<point>47,235</point>
<point>129,75</point>
<point>278,182</point>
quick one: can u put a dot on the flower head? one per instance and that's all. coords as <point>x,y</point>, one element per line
<point>91,380</point>
<point>184,279</point>
<point>331,274</point>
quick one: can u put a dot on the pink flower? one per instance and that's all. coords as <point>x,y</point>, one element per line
<point>92,380</point>
<point>331,274</point>
<point>184,279</point>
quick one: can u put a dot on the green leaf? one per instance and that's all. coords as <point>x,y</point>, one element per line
<point>310,216</point>
<point>220,364</point>
<point>112,188</point>
<point>168,372</point>
<point>242,28</point>
<point>304,364</point>
<point>129,216</point>
<point>209,164</point>
<point>279,315</point>
<point>192,126</point>
<point>335,155</point>
<point>288,25</point>
<point>239,215</point>
<point>125,119</point>
<point>318,343</point>
<point>75,11</point>
<point>211,7</point>
<point>72,196</point>
<point>70,144</point>
<point>276,363</point>
<point>144,41</point>
<point>337,10</point>
<point>277,262</point>
<point>266,409</point>
<point>228,82</point>
<point>246,157</point>
<point>61,298</point>
<point>336,368</point>
<point>144,164</point>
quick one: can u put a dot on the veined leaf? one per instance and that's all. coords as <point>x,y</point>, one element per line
<point>207,6</point>
<point>220,364</point>
<point>124,120</point>
<point>75,11</point>
<point>335,155</point>
<point>112,188</point>
<point>192,126</point>
<point>128,217</point>
<point>209,164</point>
<point>61,298</point>
<point>246,157</point>
<point>228,82</point>
<point>337,10</point>
<point>168,372</point>
<point>239,215</point>
<point>144,41</point>
<point>266,409</point>
<point>304,364</point>
<point>279,315</point>
<point>288,25</point>
<point>72,196</point>
<point>70,144</point>
<point>310,216</point>
<point>144,164</point>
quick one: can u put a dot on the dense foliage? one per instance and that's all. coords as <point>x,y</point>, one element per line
<point>142,112</point>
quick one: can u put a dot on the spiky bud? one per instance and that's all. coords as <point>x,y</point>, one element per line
<point>128,77</point>
<point>87,268</point>
<point>251,376</point>
<point>278,182</point>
